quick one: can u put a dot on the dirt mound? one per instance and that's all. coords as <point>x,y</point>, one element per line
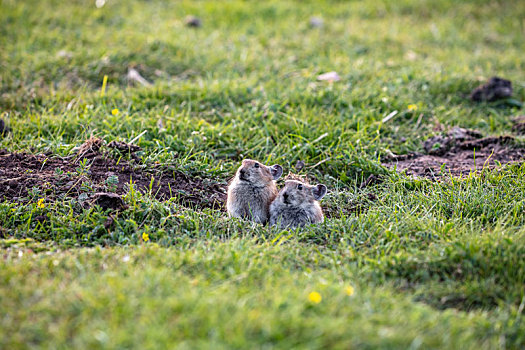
<point>24,176</point>
<point>458,153</point>
<point>441,144</point>
<point>496,88</point>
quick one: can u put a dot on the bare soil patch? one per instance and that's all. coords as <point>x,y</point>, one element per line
<point>97,178</point>
<point>458,153</point>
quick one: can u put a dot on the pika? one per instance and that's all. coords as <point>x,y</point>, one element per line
<point>252,190</point>
<point>297,204</point>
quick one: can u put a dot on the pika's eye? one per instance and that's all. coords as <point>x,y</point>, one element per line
<point>256,165</point>
<point>300,187</point>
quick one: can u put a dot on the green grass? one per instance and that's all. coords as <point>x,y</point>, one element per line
<point>433,264</point>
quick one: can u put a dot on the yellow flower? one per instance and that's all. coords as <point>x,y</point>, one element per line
<point>349,290</point>
<point>412,107</point>
<point>40,203</point>
<point>315,297</point>
<point>114,111</point>
<point>145,237</point>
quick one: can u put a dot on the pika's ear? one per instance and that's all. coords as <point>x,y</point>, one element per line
<point>276,171</point>
<point>319,191</point>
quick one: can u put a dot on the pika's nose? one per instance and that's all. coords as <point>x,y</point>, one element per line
<point>242,171</point>
<point>285,196</point>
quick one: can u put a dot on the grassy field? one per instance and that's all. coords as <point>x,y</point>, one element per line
<point>402,263</point>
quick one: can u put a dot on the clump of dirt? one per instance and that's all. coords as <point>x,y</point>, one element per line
<point>460,152</point>
<point>90,148</point>
<point>94,175</point>
<point>495,89</point>
<point>108,201</point>
<point>124,147</point>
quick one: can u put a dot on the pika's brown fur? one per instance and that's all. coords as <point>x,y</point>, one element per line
<point>297,204</point>
<point>252,190</point>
